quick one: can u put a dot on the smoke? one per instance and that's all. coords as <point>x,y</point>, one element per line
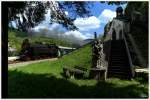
<point>57,32</point>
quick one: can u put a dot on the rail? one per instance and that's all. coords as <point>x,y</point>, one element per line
<point>129,56</point>
<point>108,53</point>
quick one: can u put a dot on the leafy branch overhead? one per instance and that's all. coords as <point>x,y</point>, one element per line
<point>33,13</point>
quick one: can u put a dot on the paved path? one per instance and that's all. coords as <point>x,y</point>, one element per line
<point>29,62</point>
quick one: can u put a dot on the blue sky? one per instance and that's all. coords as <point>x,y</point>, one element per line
<point>101,14</point>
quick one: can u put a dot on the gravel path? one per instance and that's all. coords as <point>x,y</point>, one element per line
<point>29,62</point>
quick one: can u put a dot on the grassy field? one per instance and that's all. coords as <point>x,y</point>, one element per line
<point>45,80</point>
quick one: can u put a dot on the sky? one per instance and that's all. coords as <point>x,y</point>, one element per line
<point>101,14</point>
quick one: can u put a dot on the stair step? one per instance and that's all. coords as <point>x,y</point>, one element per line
<point>119,70</point>
<point>118,53</point>
<point>125,65</point>
<point>117,57</point>
<point>117,47</point>
<point>118,76</point>
<point>119,61</point>
<point>123,57</point>
<point>119,65</point>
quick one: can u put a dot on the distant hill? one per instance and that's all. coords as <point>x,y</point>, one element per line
<point>15,39</point>
<point>86,41</point>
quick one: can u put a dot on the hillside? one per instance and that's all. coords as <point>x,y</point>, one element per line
<point>16,38</point>
<point>81,57</point>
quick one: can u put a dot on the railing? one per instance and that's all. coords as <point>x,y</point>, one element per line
<point>109,52</point>
<point>129,56</point>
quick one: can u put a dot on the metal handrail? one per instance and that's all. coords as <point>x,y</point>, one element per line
<point>129,56</point>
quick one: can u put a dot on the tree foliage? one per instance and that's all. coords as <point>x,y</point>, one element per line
<point>114,2</point>
<point>33,12</point>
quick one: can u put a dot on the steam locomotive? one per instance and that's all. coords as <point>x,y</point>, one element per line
<point>38,50</point>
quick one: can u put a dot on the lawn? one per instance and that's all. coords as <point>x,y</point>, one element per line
<point>45,80</point>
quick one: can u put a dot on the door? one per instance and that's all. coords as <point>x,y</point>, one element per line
<point>114,35</point>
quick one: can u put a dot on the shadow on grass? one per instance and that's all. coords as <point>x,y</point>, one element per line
<point>25,85</point>
<point>141,77</point>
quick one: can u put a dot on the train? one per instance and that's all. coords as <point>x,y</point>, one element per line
<point>39,50</point>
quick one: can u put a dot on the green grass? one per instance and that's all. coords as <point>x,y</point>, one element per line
<point>45,80</point>
<point>23,84</point>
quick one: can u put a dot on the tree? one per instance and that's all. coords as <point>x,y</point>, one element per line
<point>32,13</point>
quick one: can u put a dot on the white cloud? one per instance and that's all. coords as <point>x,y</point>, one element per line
<point>85,24</point>
<point>89,35</point>
<point>66,12</point>
<point>40,26</point>
<point>76,34</point>
<point>48,15</point>
<point>54,26</point>
<point>107,15</point>
<point>55,30</point>
<point>13,23</point>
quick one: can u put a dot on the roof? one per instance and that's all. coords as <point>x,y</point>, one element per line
<point>61,47</point>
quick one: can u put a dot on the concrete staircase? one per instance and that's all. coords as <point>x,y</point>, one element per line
<point>119,63</point>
